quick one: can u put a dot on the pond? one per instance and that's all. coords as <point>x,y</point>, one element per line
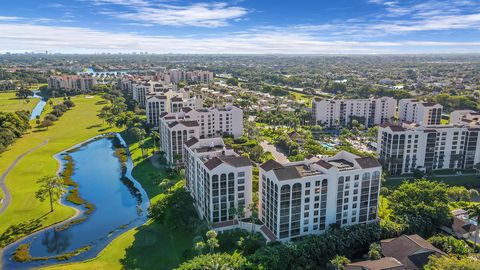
<point>120,204</point>
<point>39,107</point>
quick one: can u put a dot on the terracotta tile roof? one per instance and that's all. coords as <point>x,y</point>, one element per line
<point>324,164</point>
<point>411,250</point>
<point>368,162</point>
<point>213,163</point>
<point>191,142</point>
<point>268,233</point>
<point>270,165</point>
<point>386,263</point>
<point>236,162</point>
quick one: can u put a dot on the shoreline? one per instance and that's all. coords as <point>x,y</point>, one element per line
<point>77,208</point>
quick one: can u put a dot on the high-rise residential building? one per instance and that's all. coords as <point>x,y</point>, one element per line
<point>140,90</point>
<point>410,147</point>
<point>340,112</point>
<point>72,82</point>
<point>200,76</point>
<point>177,128</point>
<point>170,102</point>
<point>304,198</point>
<point>219,180</point>
<point>422,113</point>
<point>464,116</point>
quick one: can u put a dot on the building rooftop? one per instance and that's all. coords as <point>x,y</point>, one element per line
<point>411,250</point>
<point>385,263</point>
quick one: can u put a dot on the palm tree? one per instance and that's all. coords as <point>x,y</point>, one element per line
<point>51,186</point>
<point>155,137</point>
<point>340,262</point>
<point>474,213</point>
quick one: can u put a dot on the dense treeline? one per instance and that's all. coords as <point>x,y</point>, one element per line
<point>25,76</point>
<point>12,126</point>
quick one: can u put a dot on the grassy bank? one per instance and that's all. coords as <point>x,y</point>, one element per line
<point>151,246</point>
<point>10,103</point>
<point>26,213</point>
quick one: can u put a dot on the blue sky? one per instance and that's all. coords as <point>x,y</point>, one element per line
<point>241,26</point>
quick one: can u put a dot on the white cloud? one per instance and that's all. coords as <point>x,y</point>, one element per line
<point>212,14</point>
<point>27,37</point>
<point>10,18</point>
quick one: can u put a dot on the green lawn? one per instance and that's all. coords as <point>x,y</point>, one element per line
<point>26,213</point>
<point>151,246</point>
<point>10,103</point>
<point>298,97</point>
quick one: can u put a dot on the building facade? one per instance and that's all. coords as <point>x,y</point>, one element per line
<point>72,82</point>
<point>177,128</point>
<point>410,147</point>
<point>219,180</point>
<point>169,102</point>
<point>304,198</point>
<point>422,113</point>
<point>340,112</point>
<point>464,117</point>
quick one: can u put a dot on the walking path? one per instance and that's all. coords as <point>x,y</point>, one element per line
<point>8,197</point>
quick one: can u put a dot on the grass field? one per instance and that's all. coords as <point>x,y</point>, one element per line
<point>305,98</point>
<point>10,103</point>
<point>151,246</point>
<point>26,213</point>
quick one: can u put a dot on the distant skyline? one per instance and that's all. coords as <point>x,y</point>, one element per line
<point>241,26</point>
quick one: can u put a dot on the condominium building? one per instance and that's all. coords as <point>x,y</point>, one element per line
<point>201,76</point>
<point>303,198</point>
<point>170,102</point>
<point>340,112</point>
<point>71,82</point>
<point>406,148</point>
<point>177,128</point>
<point>464,116</point>
<point>219,180</point>
<point>140,90</point>
<point>422,113</point>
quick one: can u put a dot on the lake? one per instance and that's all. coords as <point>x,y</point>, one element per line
<point>120,204</point>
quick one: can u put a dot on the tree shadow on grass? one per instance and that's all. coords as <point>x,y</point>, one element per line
<point>157,246</point>
<point>94,126</point>
<point>16,231</point>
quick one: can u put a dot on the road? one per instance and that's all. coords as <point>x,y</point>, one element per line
<point>280,157</point>
<point>8,197</point>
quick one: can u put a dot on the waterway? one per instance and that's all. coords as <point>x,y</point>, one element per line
<point>120,204</point>
<point>39,107</point>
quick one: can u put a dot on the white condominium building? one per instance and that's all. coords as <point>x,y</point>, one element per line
<point>71,82</point>
<point>422,113</point>
<point>177,128</point>
<point>170,102</point>
<point>403,149</point>
<point>340,112</point>
<point>140,90</point>
<point>464,117</point>
<point>216,121</point>
<point>306,197</point>
<point>219,180</point>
